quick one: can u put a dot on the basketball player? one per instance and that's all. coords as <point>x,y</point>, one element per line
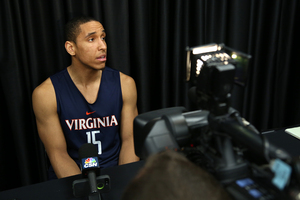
<point>86,102</point>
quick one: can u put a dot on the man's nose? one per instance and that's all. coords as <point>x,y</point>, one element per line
<point>102,44</point>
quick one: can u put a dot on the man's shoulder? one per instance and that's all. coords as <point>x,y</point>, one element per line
<point>126,79</point>
<point>43,96</point>
<point>44,88</point>
<point>128,87</point>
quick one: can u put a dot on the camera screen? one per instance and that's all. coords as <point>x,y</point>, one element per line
<point>240,60</point>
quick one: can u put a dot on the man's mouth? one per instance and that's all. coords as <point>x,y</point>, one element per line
<point>102,58</point>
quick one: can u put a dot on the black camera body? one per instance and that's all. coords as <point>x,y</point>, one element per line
<point>215,137</point>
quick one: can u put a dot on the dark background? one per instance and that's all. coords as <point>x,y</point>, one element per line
<point>146,40</point>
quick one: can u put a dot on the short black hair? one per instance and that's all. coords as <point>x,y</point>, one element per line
<point>72,28</point>
<point>170,175</point>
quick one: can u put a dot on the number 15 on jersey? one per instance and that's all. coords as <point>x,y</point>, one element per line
<point>91,138</point>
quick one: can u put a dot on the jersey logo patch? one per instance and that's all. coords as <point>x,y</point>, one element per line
<point>88,113</point>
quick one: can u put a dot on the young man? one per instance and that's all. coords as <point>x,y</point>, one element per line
<point>86,103</point>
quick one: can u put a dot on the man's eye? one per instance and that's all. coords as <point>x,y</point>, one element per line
<point>91,39</point>
<point>103,38</point>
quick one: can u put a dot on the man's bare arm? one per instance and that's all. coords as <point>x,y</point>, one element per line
<point>129,112</point>
<point>50,131</point>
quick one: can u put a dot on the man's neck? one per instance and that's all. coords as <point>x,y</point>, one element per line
<point>84,76</point>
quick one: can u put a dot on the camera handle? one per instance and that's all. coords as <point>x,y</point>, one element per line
<point>229,165</point>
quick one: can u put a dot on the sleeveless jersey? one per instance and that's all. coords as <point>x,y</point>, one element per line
<point>96,123</point>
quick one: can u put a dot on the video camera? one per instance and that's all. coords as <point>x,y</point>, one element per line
<point>215,137</point>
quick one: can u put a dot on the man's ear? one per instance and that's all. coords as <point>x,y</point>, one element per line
<point>70,47</point>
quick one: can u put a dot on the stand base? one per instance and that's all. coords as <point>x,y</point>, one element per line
<point>81,187</point>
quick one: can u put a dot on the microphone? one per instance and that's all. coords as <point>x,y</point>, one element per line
<point>90,168</point>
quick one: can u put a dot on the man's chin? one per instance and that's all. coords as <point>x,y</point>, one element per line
<point>99,67</point>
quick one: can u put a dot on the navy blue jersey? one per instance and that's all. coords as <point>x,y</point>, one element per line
<point>96,123</point>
